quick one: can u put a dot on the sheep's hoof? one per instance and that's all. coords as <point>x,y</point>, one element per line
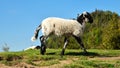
<point>85,53</point>
<point>43,50</point>
<point>62,53</point>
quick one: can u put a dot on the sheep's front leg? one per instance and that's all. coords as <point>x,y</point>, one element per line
<point>43,46</point>
<point>65,44</point>
<point>81,43</point>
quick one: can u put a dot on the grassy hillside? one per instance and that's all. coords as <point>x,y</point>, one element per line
<point>73,58</point>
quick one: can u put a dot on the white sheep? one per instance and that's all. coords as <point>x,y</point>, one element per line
<point>63,27</point>
<point>32,48</point>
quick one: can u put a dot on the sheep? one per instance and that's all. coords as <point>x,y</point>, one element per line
<point>32,47</point>
<point>63,27</point>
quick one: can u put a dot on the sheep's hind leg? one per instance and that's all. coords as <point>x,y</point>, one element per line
<point>65,44</point>
<point>81,43</point>
<point>43,46</point>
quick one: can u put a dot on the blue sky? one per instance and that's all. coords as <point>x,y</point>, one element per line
<point>19,18</point>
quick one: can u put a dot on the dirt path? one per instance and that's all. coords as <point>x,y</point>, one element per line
<point>68,61</point>
<point>105,58</point>
<point>21,65</point>
<point>25,65</point>
<point>62,63</point>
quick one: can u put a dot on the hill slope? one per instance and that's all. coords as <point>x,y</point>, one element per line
<point>52,59</point>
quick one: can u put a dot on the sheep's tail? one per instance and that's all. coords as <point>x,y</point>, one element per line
<point>36,33</point>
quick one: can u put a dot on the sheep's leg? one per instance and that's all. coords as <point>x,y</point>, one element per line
<point>81,43</point>
<point>43,46</point>
<point>64,47</point>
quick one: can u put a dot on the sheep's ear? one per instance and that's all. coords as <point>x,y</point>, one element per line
<point>79,16</point>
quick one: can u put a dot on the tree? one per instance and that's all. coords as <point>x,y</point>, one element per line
<point>5,47</point>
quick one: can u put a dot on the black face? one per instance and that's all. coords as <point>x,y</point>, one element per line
<point>89,17</point>
<point>83,16</point>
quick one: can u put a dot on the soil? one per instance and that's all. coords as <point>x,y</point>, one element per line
<point>106,58</point>
<point>62,62</point>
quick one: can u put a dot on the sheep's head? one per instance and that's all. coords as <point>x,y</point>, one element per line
<point>85,17</point>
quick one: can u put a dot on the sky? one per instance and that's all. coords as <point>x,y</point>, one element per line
<point>19,18</point>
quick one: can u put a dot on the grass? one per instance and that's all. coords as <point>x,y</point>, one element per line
<point>52,56</point>
<point>94,64</point>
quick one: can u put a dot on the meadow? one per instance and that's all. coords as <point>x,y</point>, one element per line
<point>73,58</point>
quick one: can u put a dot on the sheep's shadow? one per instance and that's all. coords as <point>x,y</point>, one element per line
<point>52,53</point>
<point>82,53</point>
<point>77,54</point>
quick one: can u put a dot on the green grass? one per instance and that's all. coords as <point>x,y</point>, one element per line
<point>94,64</point>
<point>52,56</point>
